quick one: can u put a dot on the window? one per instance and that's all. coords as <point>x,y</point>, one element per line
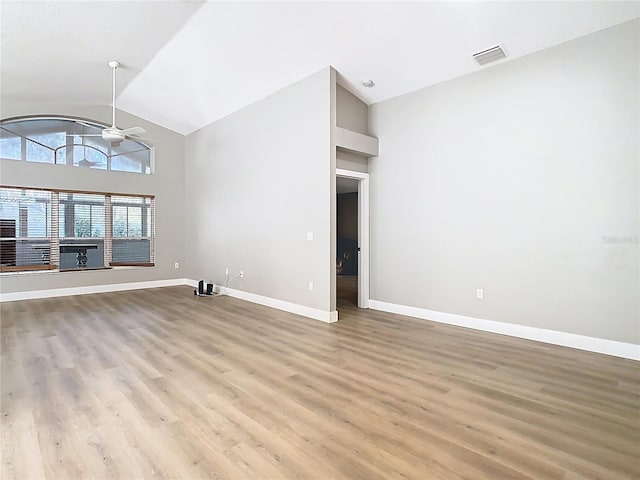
<point>66,230</point>
<point>10,146</point>
<point>132,224</point>
<point>71,143</point>
<point>25,229</point>
<point>81,218</point>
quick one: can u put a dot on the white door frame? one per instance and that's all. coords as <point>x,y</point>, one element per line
<point>363,232</point>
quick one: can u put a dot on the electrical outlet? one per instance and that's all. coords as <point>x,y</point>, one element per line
<point>241,273</point>
<point>176,265</point>
<point>226,271</point>
<point>480,293</point>
<point>310,286</point>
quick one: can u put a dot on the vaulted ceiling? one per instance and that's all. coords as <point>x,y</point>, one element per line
<point>187,63</point>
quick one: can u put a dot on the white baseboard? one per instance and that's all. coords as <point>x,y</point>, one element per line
<point>65,292</point>
<point>315,313</point>
<point>581,342</point>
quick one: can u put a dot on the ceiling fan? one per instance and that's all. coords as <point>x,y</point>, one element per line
<point>114,134</point>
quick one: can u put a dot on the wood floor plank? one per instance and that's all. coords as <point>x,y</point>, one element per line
<point>161,384</point>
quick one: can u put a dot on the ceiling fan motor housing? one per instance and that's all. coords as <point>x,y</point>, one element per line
<point>112,135</point>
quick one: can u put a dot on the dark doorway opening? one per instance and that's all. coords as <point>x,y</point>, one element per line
<point>347,267</point>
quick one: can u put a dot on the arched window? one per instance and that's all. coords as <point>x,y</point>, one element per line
<point>71,142</point>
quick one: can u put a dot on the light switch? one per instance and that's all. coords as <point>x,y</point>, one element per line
<point>309,235</point>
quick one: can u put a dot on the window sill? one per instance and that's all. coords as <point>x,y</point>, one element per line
<point>28,268</point>
<point>55,270</point>
<point>132,264</point>
<point>86,269</point>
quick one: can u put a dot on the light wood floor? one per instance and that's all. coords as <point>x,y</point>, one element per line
<point>161,384</point>
<point>347,290</point>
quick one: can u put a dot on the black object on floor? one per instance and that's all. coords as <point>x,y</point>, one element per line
<point>200,292</point>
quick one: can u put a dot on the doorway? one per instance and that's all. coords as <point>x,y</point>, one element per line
<point>352,239</point>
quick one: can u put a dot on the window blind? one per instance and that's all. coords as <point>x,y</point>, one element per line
<point>81,220</point>
<point>69,230</point>
<point>132,225</point>
<point>26,239</point>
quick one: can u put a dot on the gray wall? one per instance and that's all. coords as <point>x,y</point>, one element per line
<point>351,112</point>
<point>257,182</point>
<point>167,184</point>
<point>351,161</point>
<point>347,216</point>
<point>521,179</point>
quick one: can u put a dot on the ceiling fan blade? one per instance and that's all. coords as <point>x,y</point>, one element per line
<point>86,163</point>
<point>84,134</point>
<point>136,138</point>
<point>133,130</point>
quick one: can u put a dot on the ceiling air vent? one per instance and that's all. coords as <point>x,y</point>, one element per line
<point>490,55</point>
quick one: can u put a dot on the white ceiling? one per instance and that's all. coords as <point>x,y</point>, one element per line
<point>184,70</point>
<point>57,51</point>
